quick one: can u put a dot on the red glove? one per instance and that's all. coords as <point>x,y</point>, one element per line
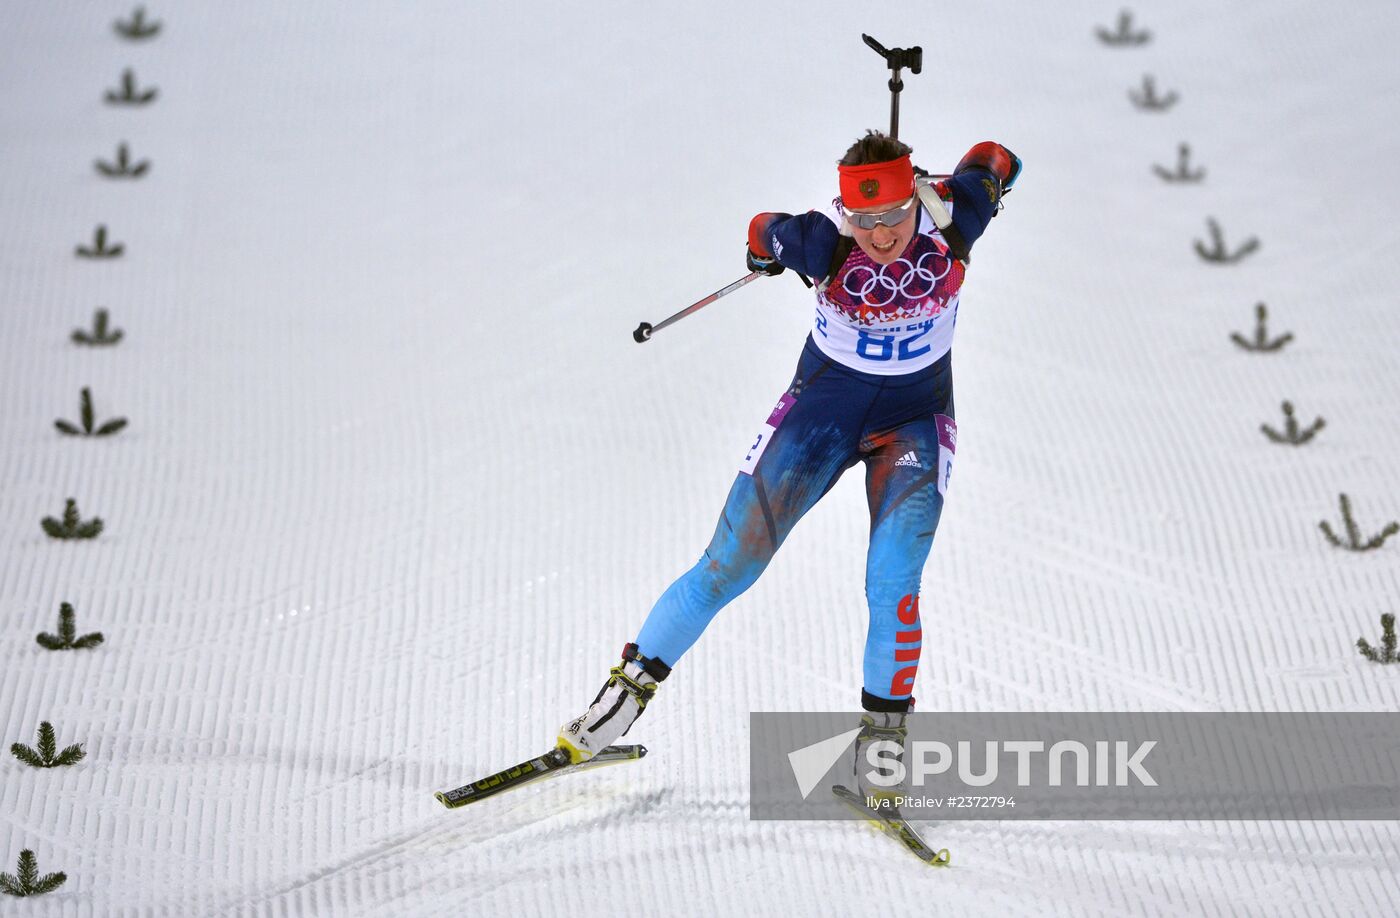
<point>758,234</point>
<point>993,158</point>
<point>760,254</point>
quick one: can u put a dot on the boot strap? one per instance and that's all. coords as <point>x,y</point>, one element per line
<point>885,730</point>
<point>631,686</point>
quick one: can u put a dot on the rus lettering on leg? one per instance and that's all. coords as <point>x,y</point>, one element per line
<point>903,681</point>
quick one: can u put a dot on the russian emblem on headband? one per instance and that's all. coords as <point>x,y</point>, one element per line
<point>870,187</point>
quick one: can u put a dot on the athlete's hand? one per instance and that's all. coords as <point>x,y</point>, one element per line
<point>769,266</point>
<point>759,256</point>
<point>994,158</point>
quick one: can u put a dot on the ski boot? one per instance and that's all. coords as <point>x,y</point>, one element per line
<point>624,697</point>
<point>880,726</point>
<point>883,721</point>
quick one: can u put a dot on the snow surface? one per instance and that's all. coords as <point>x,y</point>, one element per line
<point>398,484</point>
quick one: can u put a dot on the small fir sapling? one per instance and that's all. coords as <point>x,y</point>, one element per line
<point>28,882</point>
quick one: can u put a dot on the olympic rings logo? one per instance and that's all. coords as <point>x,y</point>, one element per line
<point>914,282</point>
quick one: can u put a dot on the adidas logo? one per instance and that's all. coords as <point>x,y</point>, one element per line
<point>909,459</point>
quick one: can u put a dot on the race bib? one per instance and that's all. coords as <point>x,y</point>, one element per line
<point>765,435</point>
<point>947,447</point>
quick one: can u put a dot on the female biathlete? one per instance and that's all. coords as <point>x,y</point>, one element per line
<point>874,384</point>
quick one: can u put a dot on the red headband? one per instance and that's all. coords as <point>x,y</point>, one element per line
<point>874,184</point>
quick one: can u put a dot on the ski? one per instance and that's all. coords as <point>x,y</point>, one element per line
<point>552,763</point>
<point>895,826</point>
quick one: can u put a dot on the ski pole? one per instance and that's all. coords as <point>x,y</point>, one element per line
<point>643,332</point>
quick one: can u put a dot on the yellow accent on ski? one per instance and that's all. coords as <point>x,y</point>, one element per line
<point>901,832</point>
<point>576,756</point>
<point>549,765</point>
<point>941,857</point>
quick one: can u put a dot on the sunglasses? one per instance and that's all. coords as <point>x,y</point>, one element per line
<point>892,217</point>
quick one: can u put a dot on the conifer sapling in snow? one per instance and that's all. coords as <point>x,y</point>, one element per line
<point>47,755</point>
<point>1387,653</point>
<point>28,882</point>
<point>67,637</point>
<point>71,526</point>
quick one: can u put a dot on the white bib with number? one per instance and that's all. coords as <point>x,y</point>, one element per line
<point>891,319</point>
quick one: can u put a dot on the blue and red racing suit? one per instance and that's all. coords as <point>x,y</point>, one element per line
<point>874,383</point>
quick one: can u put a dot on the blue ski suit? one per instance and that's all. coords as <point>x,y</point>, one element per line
<point>874,384</point>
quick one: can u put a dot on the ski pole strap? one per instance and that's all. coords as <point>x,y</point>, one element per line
<point>943,220</point>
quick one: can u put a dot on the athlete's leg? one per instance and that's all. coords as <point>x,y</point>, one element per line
<point>793,463</point>
<point>906,473</point>
<point>812,435</point>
